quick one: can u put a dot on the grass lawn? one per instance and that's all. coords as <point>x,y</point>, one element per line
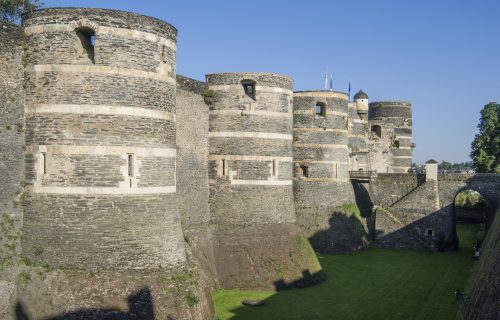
<point>369,284</point>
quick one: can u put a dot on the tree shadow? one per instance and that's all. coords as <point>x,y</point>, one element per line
<point>140,305</point>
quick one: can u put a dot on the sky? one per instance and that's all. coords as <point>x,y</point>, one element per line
<point>442,56</point>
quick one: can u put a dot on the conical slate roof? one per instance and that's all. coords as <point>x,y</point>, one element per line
<point>360,95</point>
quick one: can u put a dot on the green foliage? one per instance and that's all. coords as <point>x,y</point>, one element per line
<point>25,277</point>
<point>370,284</point>
<point>208,94</point>
<point>444,165</point>
<point>486,145</point>
<point>469,199</point>
<point>192,299</point>
<point>11,10</point>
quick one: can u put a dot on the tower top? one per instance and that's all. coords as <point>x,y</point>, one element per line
<point>360,95</point>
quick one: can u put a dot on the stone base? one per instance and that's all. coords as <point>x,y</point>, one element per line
<point>274,256</point>
<point>41,293</point>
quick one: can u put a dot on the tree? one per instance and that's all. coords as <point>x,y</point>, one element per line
<point>11,10</point>
<point>444,165</point>
<point>485,152</point>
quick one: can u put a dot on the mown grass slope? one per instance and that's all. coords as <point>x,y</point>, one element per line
<point>369,284</point>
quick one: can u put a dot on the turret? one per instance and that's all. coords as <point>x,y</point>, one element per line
<point>361,100</point>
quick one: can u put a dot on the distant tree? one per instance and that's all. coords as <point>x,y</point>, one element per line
<point>444,165</point>
<point>486,146</point>
<point>11,10</point>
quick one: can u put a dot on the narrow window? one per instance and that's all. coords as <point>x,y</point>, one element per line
<point>429,232</point>
<point>223,167</point>
<point>163,53</point>
<point>274,168</point>
<point>87,40</point>
<point>249,88</point>
<point>130,164</point>
<point>376,132</point>
<point>305,171</point>
<point>44,162</point>
<point>320,109</point>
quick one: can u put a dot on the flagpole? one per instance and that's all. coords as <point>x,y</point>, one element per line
<point>326,77</point>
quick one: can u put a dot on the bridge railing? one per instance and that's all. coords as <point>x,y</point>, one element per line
<point>362,175</point>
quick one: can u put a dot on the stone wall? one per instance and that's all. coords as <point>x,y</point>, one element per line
<point>256,242</point>
<point>102,231</point>
<point>11,144</point>
<point>483,295</point>
<point>392,150</point>
<point>408,214</point>
<point>192,170</point>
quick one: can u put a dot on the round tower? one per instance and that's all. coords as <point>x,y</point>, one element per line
<point>250,170</point>
<point>12,142</point>
<point>361,101</point>
<point>101,140</point>
<point>321,163</point>
<point>320,149</point>
<point>390,133</point>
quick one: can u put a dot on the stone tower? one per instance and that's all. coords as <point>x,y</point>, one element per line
<point>11,142</point>
<point>390,136</point>
<point>255,239</point>
<point>320,149</point>
<point>101,141</point>
<point>358,129</point>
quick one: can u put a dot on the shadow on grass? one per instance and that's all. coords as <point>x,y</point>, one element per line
<point>140,308</point>
<point>376,283</point>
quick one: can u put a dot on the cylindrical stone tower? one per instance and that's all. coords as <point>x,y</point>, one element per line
<point>100,141</point>
<point>390,133</point>
<point>11,142</point>
<point>320,149</point>
<point>321,166</point>
<point>250,170</point>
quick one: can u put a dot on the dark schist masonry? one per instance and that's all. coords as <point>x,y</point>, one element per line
<point>124,183</point>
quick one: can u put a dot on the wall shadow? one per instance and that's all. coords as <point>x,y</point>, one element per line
<point>344,234</point>
<point>307,280</point>
<point>140,305</point>
<point>400,230</point>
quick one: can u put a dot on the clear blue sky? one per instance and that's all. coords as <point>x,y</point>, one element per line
<point>443,56</point>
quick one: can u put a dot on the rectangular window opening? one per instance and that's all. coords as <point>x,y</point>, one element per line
<point>223,167</point>
<point>44,162</point>
<point>274,168</point>
<point>305,171</point>
<point>130,164</point>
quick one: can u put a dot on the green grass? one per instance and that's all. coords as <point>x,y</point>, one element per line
<point>369,284</point>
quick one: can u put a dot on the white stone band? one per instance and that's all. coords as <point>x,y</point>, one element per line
<point>101,109</point>
<point>103,150</point>
<point>270,114</point>
<point>240,134</point>
<point>97,69</point>
<point>249,158</point>
<point>258,89</point>
<point>103,190</point>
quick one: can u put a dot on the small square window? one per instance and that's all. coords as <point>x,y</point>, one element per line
<point>249,88</point>
<point>321,109</point>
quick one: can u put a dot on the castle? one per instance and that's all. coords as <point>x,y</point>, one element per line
<point>130,168</point>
